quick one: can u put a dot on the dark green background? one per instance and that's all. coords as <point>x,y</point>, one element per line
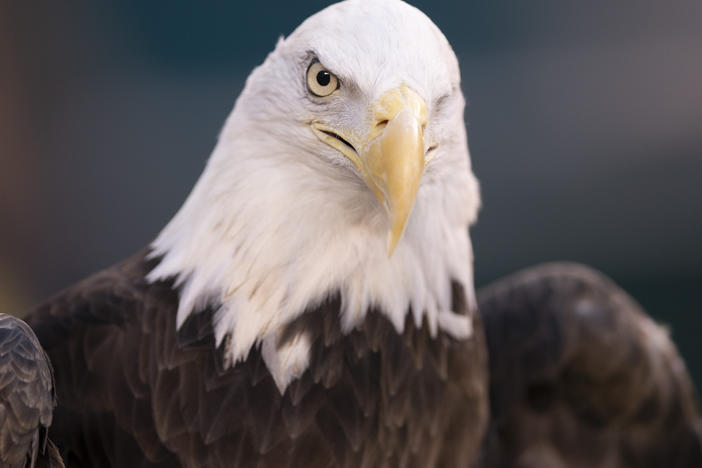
<point>584,123</point>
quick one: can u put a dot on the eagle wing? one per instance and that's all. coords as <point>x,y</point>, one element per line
<point>27,398</point>
<point>582,377</point>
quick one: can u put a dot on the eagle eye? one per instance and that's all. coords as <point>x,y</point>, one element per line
<point>320,81</point>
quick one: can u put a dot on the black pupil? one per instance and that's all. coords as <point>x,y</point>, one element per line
<point>323,78</point>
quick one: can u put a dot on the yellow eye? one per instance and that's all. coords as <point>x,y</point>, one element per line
<point>320,81</point>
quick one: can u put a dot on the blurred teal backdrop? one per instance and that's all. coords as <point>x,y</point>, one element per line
<point>584,123</point>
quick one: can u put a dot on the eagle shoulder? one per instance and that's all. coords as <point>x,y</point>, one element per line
<point>94,333</point>
<point>581,376</point>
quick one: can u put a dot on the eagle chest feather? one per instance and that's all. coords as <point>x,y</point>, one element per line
<point>371,397</point>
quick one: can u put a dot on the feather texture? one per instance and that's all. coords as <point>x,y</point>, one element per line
<point>27,399</point>
<point>137,392</point>
<point>581,377</point>
<point>279,221</point>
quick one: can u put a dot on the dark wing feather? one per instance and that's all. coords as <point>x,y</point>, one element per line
<point>100,336</point>
<point>581,377</point>
<point>27,398</point>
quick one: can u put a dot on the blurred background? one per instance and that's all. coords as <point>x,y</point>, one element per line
<point>584,123</point>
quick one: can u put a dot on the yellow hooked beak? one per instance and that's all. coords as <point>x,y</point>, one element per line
<point>390,155</point>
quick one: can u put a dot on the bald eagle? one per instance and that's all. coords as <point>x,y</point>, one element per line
<point>312,303</point>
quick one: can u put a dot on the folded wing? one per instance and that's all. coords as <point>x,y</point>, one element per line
<point>582,377</point>
<point>27,398</point>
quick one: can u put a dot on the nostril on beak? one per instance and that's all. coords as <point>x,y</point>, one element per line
<point>382,124</point>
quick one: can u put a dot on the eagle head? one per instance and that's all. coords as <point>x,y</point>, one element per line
<point>342,169</point>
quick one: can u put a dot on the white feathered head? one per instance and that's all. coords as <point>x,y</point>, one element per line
<point>343,168</point>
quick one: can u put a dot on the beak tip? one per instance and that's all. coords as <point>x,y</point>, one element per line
<point>393,240</point>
